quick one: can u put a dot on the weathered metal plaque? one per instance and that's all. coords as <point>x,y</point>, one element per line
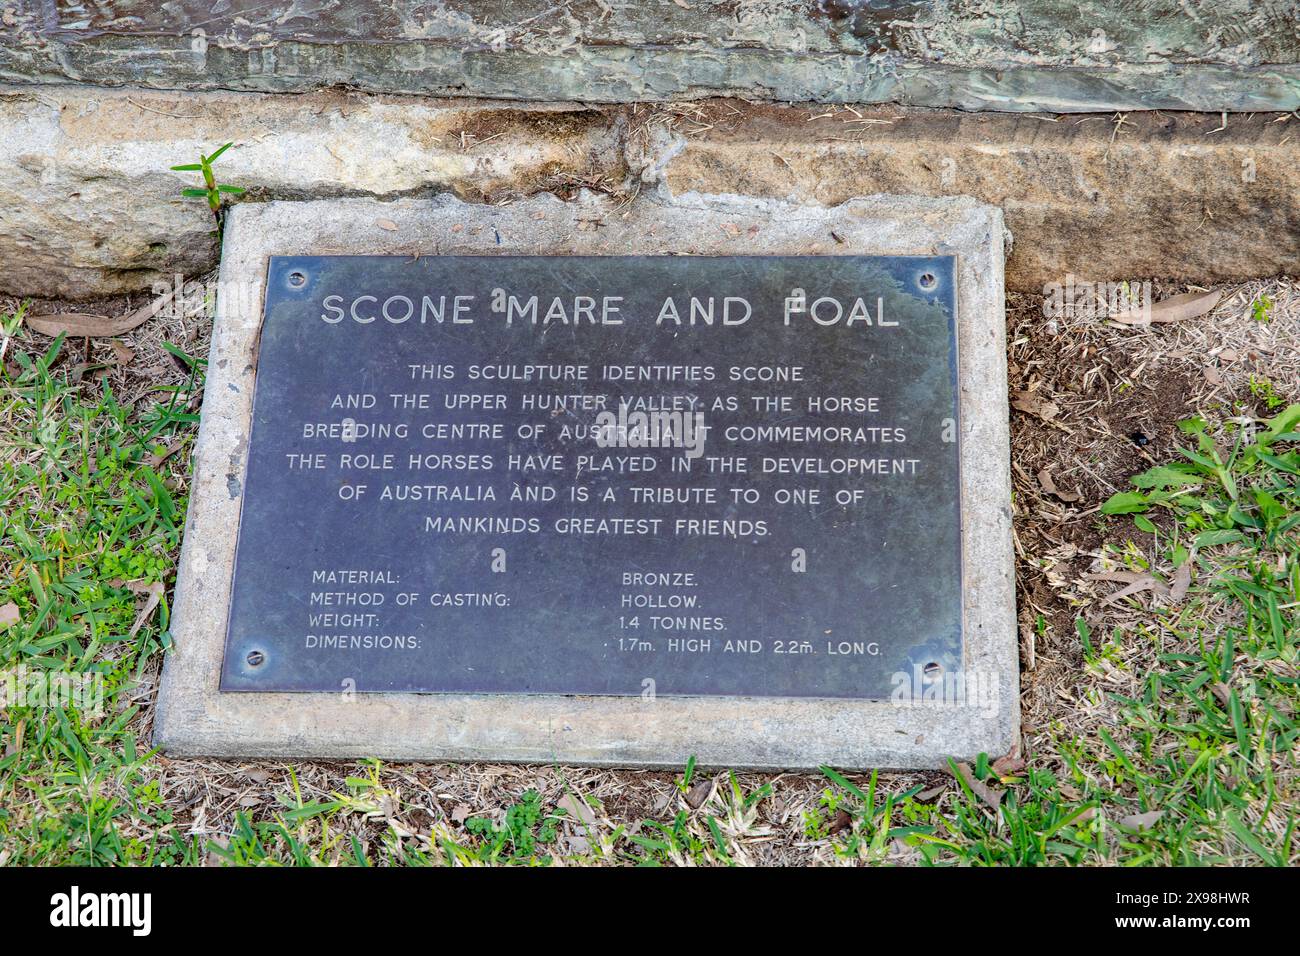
<point>601,475</point>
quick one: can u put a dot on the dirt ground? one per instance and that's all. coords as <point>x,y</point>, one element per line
<point>1093,403</point>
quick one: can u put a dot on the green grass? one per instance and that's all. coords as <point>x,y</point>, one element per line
<point>1184,751</point>
<point>85,517</point>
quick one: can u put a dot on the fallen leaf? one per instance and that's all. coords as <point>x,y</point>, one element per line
<point>81,324</point>
<point>422,820</point>
<point>699,793</point>
<point>1049,485</point>
<point>1147,582</point>
<point>155,593</point>
<point>1186,305</point>
<point>15,743</point>
<point>1034,404</point>
<point>577,809</point>
<point>1012,763</point>
<point>8,615</point>
<point>929,796</point>
<point>122,353</point>
<point>460,813</point>
<point>578,845</point>
<point>978,787</point>
<point>157,458</point>
<point>1182,581</point>
<point>1142,821</point>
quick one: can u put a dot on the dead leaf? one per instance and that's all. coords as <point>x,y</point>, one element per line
<point>1012,763</point>
<point>1147,582</point>
<point>1182,581</point>
<point>77,324</point>
<point>929,796</point>
<point>386,224</point>
<point>122,353</point>
<point>157,458</point>
<point>79,371</point>
<point>9,615</point>
<point>459,814</point>
<point>699,793</point>
<point>1138,582</point>
<point>1142,821</point>
<point>80,324</point>
<point>1033,404</point>
<point>422,820</point>
<point>1186,305</point>
<point>578,845</point>
<point>978,787</point>
<point>155,593</point>
<point>1049,486</point>
<point>577,809</point>
<point>15,743</point>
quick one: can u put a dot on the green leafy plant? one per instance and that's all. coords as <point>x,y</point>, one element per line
<point>1261,310</point>
<point>212,190</point>
<point>1263,389</point>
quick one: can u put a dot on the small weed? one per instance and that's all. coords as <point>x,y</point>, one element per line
<point>1264,390</point>
<point>1261,310</point>
<point>525,829</point>
<point>212,191</point>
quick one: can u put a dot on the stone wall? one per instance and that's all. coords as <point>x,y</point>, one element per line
<point>89,206</point>
<point>1010,55</point>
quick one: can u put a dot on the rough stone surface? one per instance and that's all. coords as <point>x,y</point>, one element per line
<point>1077,55</point>
<point>1174,195</point>
<point>88,205</point>
<point>193,717</point>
